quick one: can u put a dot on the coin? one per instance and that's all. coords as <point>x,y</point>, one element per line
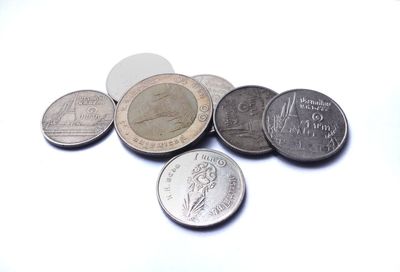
<point>305,125</point>
<point>163,114</point>
<point>237,119</point>
<point>133,69</point>
<point>78,118</point>
<point>200,188</point>
<point>216,86</point>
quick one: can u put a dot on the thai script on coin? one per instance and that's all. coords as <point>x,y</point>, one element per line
<point>133,69</point>
<point>163,114</point>
<point>237,119</point>
<point>200,188</point>
<point>305,125</point>
<point>216,86</point>
<point>78,118</point>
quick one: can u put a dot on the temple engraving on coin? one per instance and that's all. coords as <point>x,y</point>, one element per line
<point>238,119</point>
<point>163,114</point>
<point>305,125</point>
<point>78,118</point>
<point>156,116</point>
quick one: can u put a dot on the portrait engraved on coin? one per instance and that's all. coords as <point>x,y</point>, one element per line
<point>78,118</point>
<point>305,125</point>
<point>237,119</point>
<point>200,188</point>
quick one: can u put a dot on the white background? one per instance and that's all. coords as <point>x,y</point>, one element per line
<point>95,209</point>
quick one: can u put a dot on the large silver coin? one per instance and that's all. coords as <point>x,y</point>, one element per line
<point>133,69</point>
<point>163,114</point>
<point>78,118</point>
<point>305,125</point>
<point>216,86</point>
<point>200,188</point>
<point>237,119</point>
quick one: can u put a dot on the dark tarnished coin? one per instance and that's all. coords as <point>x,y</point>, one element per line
<point>305,125</point>
<point>78,118</point>
<point>200,188</point>
<point>216,86</point>
<point>237,119</point>
<point>133,69</point>
<point>163,114</point>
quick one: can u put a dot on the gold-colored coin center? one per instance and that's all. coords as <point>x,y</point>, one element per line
<point>162,111</point>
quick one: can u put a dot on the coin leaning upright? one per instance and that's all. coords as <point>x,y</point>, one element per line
<point>237,119</point>
<point>133,69</point>
<point>305,125</point>
<point>216,86</point>
<point>200,188</point>
<point>163,114</point>
<point>78,118</point>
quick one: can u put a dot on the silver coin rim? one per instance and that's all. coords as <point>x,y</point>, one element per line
<point>124,59</point>
<point>169,152</point>
<point>83,143</point>
<point>222,219</point>
<point>216,77</point>
<point>290,156</point>
<point>231,146</point>
<point>212,129</point>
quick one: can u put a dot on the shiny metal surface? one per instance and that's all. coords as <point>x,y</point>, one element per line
<point>163,114</point>
<point>237,119</point>
<point>305,125</point>
<point>78,118</point>
<point>216,86</point>
<point>200,188</point>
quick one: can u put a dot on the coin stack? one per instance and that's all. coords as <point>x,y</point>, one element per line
<point>162,113</point>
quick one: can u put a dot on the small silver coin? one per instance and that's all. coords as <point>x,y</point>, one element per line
<point>200,188</point>
<point>133,69</point>
<point>163,114</point>
<point>305,125</point>
<point>216,86</point>
<point>78,118</point>
<point>237,119</point>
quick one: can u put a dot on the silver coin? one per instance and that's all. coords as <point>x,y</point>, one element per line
<point>216,86</point>
<point>133,69</point>
<point>305,125</point>
<point>200,188</point>
<point>163,114</point>
<point>237,119</point>
<point>78,118</point>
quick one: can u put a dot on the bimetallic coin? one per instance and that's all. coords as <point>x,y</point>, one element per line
<point>200,188</point>
<point>78,118</point>
<point>237,119</point>
<point>133,69</point>
<point>216,86</point>
<point>163,114</point>
<point>305,125</point>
